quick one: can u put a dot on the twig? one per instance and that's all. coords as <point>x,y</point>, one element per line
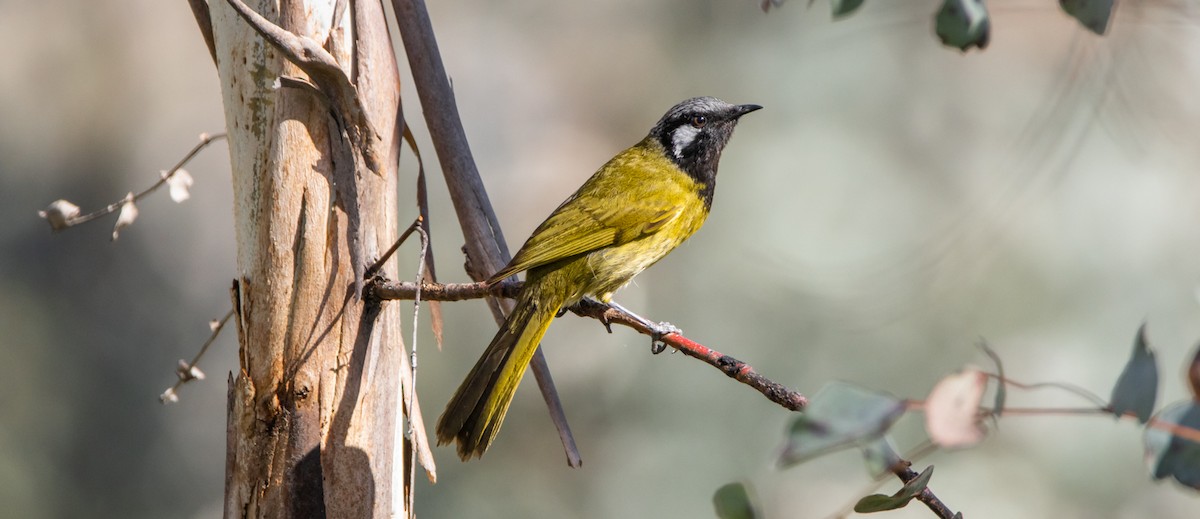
<point>1077,390</point>
<point>406,290</point>
<point>375,267</point>
<point>410,498</point>
<point>435,307</point>
<point>732,367</point>
<point>59,222</point>
<point>1174,429</point>
<point>188,371</point>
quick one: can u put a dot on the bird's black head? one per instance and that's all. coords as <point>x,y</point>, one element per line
<point>693,133</point>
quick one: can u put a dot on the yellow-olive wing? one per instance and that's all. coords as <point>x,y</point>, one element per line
<point>584,224</point>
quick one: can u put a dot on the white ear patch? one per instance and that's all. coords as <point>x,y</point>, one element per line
<point>682,137</point>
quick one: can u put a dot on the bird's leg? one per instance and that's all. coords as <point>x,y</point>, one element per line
<point>603,317</point>
<point>657,330</point>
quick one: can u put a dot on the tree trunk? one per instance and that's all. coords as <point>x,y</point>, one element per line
<point>312,411</point>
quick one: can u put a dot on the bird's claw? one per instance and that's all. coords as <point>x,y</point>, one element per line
<point>657,333</point>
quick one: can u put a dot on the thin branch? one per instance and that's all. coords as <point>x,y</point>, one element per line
<point>410,494</point>
<point>1032,411</point>
<point>407,290</point>
<point>732,367</point>
<point>59,220</point>
<point>188,371</point>
<point>375,267</point>
<point>1071,388</point>
<point>735,369</point>
<point>435,307</point>
<point>1174,429</point>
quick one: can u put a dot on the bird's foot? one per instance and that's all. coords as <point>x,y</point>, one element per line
<point>657,332</point>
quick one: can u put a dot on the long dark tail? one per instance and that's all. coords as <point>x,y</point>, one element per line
<point>474,414</point>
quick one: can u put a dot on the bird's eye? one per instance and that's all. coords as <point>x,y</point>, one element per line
<point>698,121</point>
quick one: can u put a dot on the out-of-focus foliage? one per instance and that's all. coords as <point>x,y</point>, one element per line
<point>837,417</point>
<point>733,501</point>
<point>1137,387</point>
<point>963,24</point>
<point>1171,455</point>
<point>882,503</point>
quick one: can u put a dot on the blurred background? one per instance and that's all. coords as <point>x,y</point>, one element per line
<point>894,203</point>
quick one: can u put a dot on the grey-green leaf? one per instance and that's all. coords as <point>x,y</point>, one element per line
<point>733,501</point>
<point>1093,14</point>
<point>844,7</point>
<point>880,456</point>
<point>840,415</point>
<point>963,24</point>
<point>1137,387</point>
<point>1172,455</point>
<point>1001,385</point>
<point>881,503</point>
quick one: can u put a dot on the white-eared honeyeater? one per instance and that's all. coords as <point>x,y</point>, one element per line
<point>633,211</point>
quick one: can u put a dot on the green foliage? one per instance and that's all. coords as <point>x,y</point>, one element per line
<point>843,415</point>
<point>840,415</point>
<point>1093,14</point>
<point>733,501</point>
<point>880,456</point>
<point>963,24</point>
<point>1173,455</point>
<point>882,503</point>
<point>1001,389</point>
<point>844,7</point>
<point>1137,387</point>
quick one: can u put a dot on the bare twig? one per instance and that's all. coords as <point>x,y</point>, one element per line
<point>1079,391</point>
<point>1174,429</point>
<point>188,371</point>
<point>435,307</point>
<point>378,265</point>
<point>409,395</point>
<point>59,220</point>
<point>406,290</point>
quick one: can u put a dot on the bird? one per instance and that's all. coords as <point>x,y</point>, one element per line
<point>633,211</point>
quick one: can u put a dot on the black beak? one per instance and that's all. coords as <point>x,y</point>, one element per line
<point>741,110</point>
